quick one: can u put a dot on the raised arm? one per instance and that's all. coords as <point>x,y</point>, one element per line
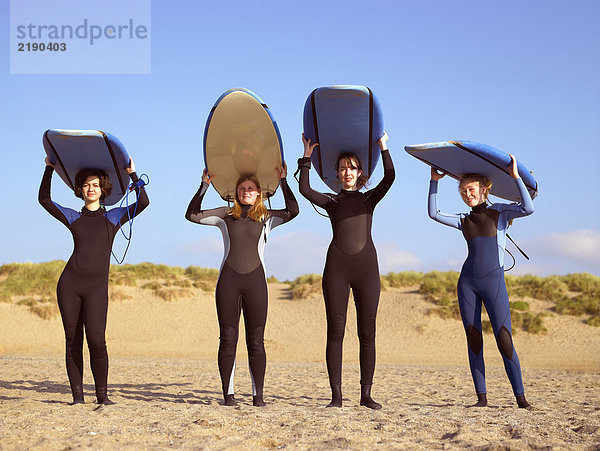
<point>194,211</point>
<point>120,216</point>
<point>389,173</point>
<point>434,213</point>
<point>125,214</point>
<point>63,214</point>
<point>525,208</point>
<point>304,165</point>
<point>291,205</point>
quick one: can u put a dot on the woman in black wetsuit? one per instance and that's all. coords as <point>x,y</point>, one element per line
<point>242,284</point>
<point>82,290</point>
<point>351,263</point>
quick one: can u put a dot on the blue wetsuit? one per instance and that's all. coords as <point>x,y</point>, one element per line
<point>242,284</point>
<point>482,279</point>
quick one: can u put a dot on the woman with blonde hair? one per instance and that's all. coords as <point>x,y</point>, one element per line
<point>242,283</point>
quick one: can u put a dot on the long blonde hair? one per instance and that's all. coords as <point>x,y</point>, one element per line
<point>257,212</point>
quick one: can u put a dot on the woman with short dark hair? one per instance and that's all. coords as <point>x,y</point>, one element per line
<point>82,289</point>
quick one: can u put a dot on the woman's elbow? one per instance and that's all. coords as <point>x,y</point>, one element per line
<point>44,201</point>
<point>294,211</point>
<point>143,203</point>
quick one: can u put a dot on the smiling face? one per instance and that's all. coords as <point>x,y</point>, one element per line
<point>247,192</point>
<point>90,190</point>
<point>472,193</point>
<point>348,173</point>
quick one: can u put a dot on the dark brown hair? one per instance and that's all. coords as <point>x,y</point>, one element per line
<point>354,162</point>
<point>82,176</point>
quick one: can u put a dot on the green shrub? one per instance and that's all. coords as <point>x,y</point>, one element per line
<point>183,283</point>
<point>529,322</point>
<point>129,274</point>
<point>402,279</point>
<point>272,279</point>
<point>519,305</point>
<point>584,283</point>
<point>440,287</point>
<point>152,286</point>
<point>593,321</point>
<point>579,305</point>
<point>203,278</point>
<point>26,279</point>
<point>551,288</point>
<point>303,286</point>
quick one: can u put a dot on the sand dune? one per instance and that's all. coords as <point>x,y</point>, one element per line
<point>165,381</point>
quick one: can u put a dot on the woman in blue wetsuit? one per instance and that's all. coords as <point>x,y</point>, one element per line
<point>351,263</point>
<point>242,284</point>
<point>482,275</point>
<point>82,290</point>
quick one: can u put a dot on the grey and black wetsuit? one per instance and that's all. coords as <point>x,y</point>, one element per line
<point>351,263</point>
<point>242,284</point>
<point>82,290</point>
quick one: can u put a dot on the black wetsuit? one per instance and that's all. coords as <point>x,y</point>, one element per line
<point>351,263</point>
<point>242,282</point>
<point>82,290</point>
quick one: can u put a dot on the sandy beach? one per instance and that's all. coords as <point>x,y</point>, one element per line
<point>164,379</point>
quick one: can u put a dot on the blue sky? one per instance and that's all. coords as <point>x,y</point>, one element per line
<point>523,77</point>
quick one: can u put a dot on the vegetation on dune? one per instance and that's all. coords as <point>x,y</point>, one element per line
<point>25,279</point>
<point>33,285</point>
<point>129,275</point>
<point>551,288</point>
<point>575,294</point>
<point>529,322</point>
<point>203,278</point>
<point>519,305</point>
<point>303,286</point>
<point>402,279</point>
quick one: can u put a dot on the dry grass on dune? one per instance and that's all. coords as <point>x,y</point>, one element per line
<point>33,286</point>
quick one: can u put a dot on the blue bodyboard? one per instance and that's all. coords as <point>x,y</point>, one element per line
<point>344,118</point>
<point>458,158</point>
<point>73,150</point>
